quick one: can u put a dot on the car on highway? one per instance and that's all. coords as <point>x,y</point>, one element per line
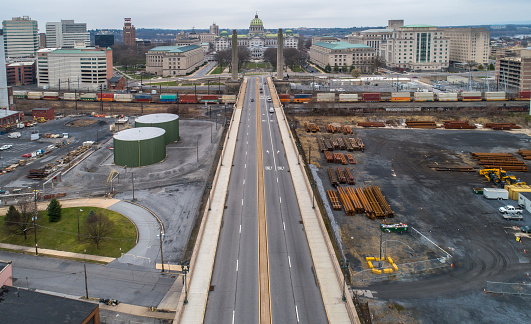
<point>526,229</point>
<point>271,110</point>
<point>5,147</point>
<point>26,155</point>
<point>269,99</point>
<point>252,100</point>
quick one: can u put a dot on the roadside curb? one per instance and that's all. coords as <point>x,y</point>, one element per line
<point>56,253</point>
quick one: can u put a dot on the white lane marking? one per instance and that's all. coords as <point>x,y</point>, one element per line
<point>242,201</point>
<point>233,317</point>
<point>289,261</point>
<point>297,312</point>
<point>240,228</point>
<point>236,265</point>
<point>245,166</point>
<point>284,225</point>
<point>243,181</point>
<point>280,199</point>
<point>277,180</point>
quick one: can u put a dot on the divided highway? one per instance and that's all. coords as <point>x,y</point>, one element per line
<point>295,296</point>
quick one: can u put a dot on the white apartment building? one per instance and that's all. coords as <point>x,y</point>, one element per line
<point>416,48</point>
<point>21,37</point>
<point>343,55</point>
<point>468,45</point>
<point>66,34</point>
<point>82,69</point>
<point>174,60</point>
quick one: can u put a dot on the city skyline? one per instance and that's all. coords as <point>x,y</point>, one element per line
<point>275,14</point>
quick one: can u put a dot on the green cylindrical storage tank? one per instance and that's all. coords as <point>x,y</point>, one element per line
<point>168,122</point>
<point>136,147</point>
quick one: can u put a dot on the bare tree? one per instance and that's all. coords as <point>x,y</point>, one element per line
<point>355,73</point>
<point>270,55</point>
<point>243,55</point>
<point>19,221</point>
<point>293,57</point>
<point>377,62</point>
<point>223,57</point>
<point>98,227</point>
<point>308,43</point>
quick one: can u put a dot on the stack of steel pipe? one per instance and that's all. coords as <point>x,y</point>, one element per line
<point>328,144</point>
<point>332,177</point>
<point>345,200</point>
<point>526,154</point>
<point>348,144</point>
<point>335,143</point>
<point>341,144</point>
<point>377,209</point>
<point>421,124</point>
<point>341,175</point>
<point>331,128</point>
<point>333,199</point>
<point>371,124</point>
<point>356,202</point>
<point>328,157</point>
<point>503,161</point>
<point>350,178</point>
<point>365,203</point>
<point>346,129</point>
<point>458,124</point>
<point>320,143</point>
<point>382,202</point>
<point>357,143</point>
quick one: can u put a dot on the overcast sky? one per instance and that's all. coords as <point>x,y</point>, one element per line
<point>274,13</point>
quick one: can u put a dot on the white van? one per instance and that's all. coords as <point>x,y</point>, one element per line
<point>14,135</point>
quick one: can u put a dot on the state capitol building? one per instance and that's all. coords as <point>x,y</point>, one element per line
<point>257,41</point>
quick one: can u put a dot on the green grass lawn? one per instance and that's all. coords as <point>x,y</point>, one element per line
<point>297,69</point>
<point>216,70</point>
<point>169,83</point>
<point>62,235</point>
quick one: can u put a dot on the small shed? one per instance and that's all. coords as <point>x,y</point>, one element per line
<point>524,200</point>
<point>46,113</point>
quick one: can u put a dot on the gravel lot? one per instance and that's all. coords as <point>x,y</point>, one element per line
<point>443,207</point>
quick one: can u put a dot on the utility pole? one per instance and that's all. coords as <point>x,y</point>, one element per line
<point>101,97</point>
<point>161,255</point>
<point>75,97</point>
<point>197,143</point>
<point>78,210</point>
<point>85,267</point>
<point>133,181</point>
<point>35,223</point>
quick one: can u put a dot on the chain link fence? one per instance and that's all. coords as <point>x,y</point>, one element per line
<point>517,288</point>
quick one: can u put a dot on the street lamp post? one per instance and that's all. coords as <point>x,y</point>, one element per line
<point>209,187</point>
<point>312,183</point>
<point>35,223</point>
<point>185,267</point>
<point>161,255</point>
<point>85,267</point>
<point>344,266</point>
<point>78,223</point>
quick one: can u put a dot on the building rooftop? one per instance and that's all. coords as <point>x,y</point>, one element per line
<point>156,118</point>
<point>139,134</point>
<point>340,45</point>
<point>174,49</point>
<point>26,306</point>
<point>378,30</point>
<point>418,26</point>
<point>3,113</point>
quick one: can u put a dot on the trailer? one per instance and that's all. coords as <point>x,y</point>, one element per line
<point>326,97</point>
<point>495,193</point>
<point>34,95</point>
<point>284,97</point>
<point>123,97</point>
<point>493,96</point>
<point>70,96</point>
<point>142,98</point>
<point>50,95</point>
<point>400,96</point>
<point>524,95</point>
<point>105,96</point>
<point>471,95</point>
<point>447,96</point>
<point>88,97</point>
<point>228,99</point>
<point>423,96</point>
<point>20,94</point>
<point>348,97</point>
<point>371,96</point>
<point>168,98</point>
<point>209,99</point>
<point>397,228</point>
<point>302,97</point>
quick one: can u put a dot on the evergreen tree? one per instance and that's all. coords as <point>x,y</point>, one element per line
<point>328,68</point>
<point>54,211</point>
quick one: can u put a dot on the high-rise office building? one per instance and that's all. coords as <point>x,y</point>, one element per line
<point>104,40</point>
<point>469,45</point>
<point>214,29</point>
<point>21,37</point>
<point>66,34</point>
<point>129,33</point>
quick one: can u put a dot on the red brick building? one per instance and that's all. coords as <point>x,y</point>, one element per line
<point>20,73</point>
<point>117,82</point>
<point>11,117</point>
<point>47,113</point>
<point>129,33</point>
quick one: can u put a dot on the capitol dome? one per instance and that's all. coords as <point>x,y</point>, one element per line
<point>256,21</point>
<point>257,26</point>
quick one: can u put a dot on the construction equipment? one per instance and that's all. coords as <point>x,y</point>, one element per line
<point>500,177</point>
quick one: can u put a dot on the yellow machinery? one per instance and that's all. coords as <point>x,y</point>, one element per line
<point>500,177</point>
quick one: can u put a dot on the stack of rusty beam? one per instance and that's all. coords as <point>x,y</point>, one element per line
<point>371,124</point>
<point>382,202</point>
<point>346,129</point>
<point>40,173</point>
<point>393,122</point>
<point>340,158</point>
<point>356,202</point>
<point>350,178</point>
<point>331,128</point>
<point>333,199</point>
<point>357,143</point>
<point>328,144</point>
<point>347,203</point>
<point>376,208</point>
<point>502,126</point>
<point>367,209</point>
<point>320,144</point>
<point>329,157</point>
<point>341,144</point>
<point>335,144</point>
<point>458,124</point>
<point>526,154</point>
<point>341,175</point>
<point>421,124</point>
<point>332,177</point>
<point>307,127</point>
<point>348,144</point>
<point>350,158</point>
<point>505,161</point>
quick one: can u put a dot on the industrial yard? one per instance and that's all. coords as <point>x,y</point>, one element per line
<point>427,177</point>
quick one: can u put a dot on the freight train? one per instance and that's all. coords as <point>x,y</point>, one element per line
<point>404,97</point>
<point>170,98</point>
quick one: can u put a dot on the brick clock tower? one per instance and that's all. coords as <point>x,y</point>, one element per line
<point>129,33</point>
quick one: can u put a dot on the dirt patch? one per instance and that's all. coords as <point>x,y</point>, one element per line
<point>82,122</point>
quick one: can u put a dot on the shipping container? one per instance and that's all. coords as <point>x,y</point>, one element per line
<point>106,96</point>
<point>326,97</point>
<point>88,97</point>
<point>187,98</point>
<point>400,96</point>
<point>284,97</point>
<point>492,96</point>
<point>50,95</point>
<point>302,97</point>
<point>423,96</point>
<point>142,98</point>
<point>471,96</point>
<point>209,99</point>
<point>348,97</point>
<point>524,95</point>
<point>34,95</point>
<point>168,98</point>
<point>371,96</point>
<point>228,99</point>
<point>447,96</point>
<point>70,96</point>
<point>20,94</point>
<point>123,97</point>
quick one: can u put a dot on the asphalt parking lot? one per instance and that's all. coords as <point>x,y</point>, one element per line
<point>443,207</point>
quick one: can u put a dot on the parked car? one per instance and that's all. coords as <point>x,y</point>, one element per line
<point>526,229</point>
<point>5,147</point>
<point>26,155</point>
<point>509,209</point>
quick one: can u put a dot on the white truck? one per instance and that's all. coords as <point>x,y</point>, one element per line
<point>509,209</point>
<point>14,135</point>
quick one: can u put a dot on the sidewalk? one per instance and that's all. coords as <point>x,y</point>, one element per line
<point>55,253</point>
